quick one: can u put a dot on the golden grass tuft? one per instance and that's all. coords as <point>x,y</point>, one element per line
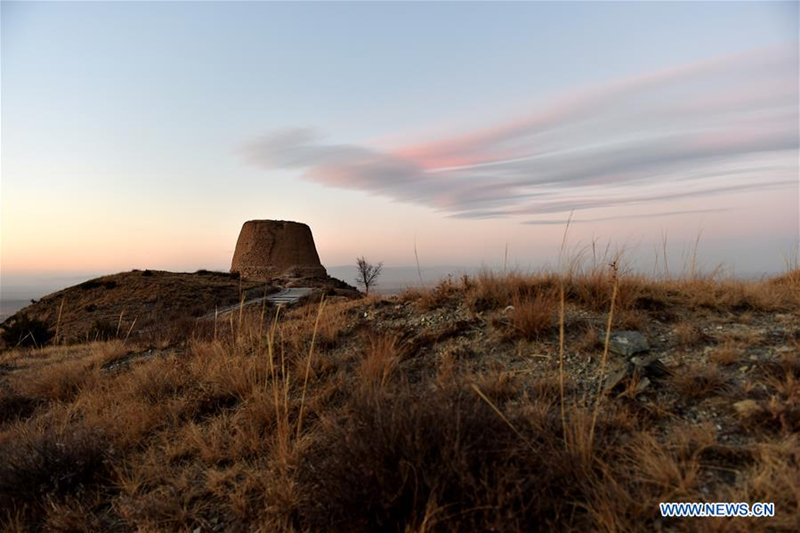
<point>698,381</point>
<point>381,358</point>
<point>533,314</point>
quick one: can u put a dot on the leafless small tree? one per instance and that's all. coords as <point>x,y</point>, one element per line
<point>367,273</point>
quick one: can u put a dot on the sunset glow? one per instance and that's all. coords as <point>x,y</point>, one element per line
<point>142,135</point>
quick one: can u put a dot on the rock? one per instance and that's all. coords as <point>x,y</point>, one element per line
<point>622,376</point>
<point>747,408</point>
<point>641,385</point>
<point>648,366</point>
<point>615,379</point>
<point>272,248</point>
<point>628,343</point>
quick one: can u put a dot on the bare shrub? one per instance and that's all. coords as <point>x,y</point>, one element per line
<point>367,274</point>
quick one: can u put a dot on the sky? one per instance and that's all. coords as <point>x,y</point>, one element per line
<point>144,134</point>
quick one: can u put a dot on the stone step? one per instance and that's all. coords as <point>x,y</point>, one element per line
<point>286,296</point>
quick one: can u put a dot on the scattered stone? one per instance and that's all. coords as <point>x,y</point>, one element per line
<point>645,369</point>
<point>641,385</point>
<point>650,366</point>
<point>615,379</point>
<point>628,343</point>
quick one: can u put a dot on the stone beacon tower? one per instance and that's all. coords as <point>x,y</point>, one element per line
<point>268,249</point>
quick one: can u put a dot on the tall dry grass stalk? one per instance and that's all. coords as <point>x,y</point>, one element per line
<point>693,260</point>
<point>271,350</point>
<point>58,320</point>
<point>416,257</point>
<point>241,314</point>
<point>119,322</point>
<point>604,359</point>
<point>282,433</point>
<point>216,315</point>
<point>561,360</point>
<point>502,416</point>
<point>563,247</point>
<point>308,366</point>
<point>561,312</point>
<point>130,329</point>
<point>261,316</point>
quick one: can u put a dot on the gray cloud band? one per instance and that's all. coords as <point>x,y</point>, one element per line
<point>628,138</point>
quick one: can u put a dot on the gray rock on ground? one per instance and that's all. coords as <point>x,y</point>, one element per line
<point>628,343</point>
<point>650,366</point>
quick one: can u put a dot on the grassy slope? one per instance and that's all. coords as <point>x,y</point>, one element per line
<point>438,410</point>
<point>150,297</point>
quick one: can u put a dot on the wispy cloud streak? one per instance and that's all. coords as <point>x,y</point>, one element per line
<point>698,130</point>
<point>563,222</point>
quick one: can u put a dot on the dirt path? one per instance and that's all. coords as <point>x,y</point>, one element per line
<point>285,296</point>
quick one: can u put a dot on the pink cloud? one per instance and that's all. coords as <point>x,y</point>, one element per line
<point>481,146</point>
<point>631,135</point>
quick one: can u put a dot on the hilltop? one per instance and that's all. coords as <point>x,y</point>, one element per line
<point>151,298</point>
<point>485,403</point>
<point>150,303</point>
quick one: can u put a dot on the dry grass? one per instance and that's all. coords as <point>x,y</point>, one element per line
<point>699,381</point>
<point>415,414</point>
<point>728,353</point>
<point>382,356</point>
<point>139,303</point>
<point>688,334</point>
<point>533,314</point>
